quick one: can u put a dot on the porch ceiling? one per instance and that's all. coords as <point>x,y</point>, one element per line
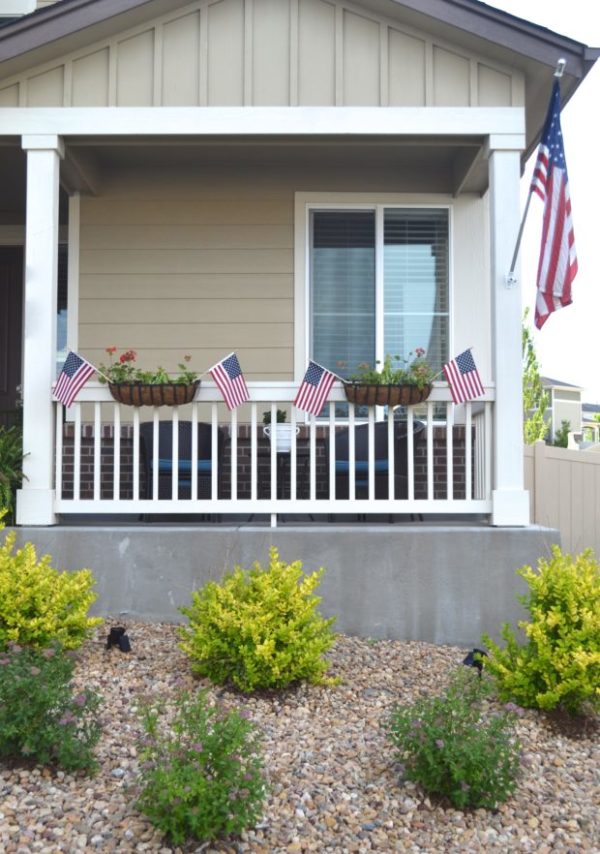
<point>404,164</point>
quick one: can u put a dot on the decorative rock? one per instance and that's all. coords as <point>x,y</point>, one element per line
<point>334,783</point>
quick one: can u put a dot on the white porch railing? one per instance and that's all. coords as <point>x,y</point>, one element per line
<point>103,465</point>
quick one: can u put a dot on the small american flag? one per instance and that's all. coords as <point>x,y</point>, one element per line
<point>558,259</point>
<point>229,378</point>
<point>463,378</point>
<point>74,375</point>
<point>314,389</point>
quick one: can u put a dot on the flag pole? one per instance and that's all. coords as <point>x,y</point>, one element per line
<point>511,279</point>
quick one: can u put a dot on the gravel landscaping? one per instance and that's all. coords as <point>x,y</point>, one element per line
<point>334,784</point>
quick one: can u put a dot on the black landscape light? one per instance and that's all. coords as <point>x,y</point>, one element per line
<point>118,637</point>
<point>475,659</point>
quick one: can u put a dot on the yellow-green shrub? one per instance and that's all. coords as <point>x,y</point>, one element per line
<point>259,628</point>
<point>559,666</point>
<point>38,604</point>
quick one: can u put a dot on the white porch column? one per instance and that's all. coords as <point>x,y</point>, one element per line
<point>35,501</point>
<point>510,502</point>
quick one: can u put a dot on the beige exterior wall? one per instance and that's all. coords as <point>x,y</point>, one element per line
<point>268,52</point>
<point>202,262</point>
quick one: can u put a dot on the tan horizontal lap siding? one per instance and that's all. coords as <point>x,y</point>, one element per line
<point>173,266</point>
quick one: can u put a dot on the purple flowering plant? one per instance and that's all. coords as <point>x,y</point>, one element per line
<point>40,718</point>
<point>456,747</point>
<point>201,770</point>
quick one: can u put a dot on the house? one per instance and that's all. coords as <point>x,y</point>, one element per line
<point>564,404</point>
<point>287,179</point>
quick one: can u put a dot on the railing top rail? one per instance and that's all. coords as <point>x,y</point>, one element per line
<point>281,391</point>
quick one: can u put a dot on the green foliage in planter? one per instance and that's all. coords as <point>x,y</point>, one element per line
<point>259,628</point>
<point>39,605</point>
<point>41,720</point>
<point>280,417</point>
<point>11,468</point>
<point>453,747</point>
<point>559,665</point>
<point>124,370</point>
<point>415,370</point>
<point>201,774</point>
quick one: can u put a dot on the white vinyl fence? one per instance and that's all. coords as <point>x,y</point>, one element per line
<point>564,490</point>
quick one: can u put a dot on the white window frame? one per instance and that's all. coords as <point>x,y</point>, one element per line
<point>304,203</point>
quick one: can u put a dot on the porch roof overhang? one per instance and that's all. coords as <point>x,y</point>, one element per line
<point>471,24</point>
<point>448,144</point>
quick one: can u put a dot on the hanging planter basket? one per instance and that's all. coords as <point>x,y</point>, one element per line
<point>158,394</point>
<point>367,394</point>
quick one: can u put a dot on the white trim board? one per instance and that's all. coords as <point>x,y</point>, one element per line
<point>505,124</point>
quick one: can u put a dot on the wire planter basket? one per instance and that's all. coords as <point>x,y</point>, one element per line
<point>371,394</point>
<point>156,394</point>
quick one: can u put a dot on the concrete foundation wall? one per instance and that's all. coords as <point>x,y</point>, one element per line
<point>440,584</point>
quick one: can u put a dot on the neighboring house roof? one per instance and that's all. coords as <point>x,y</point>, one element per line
<point>548,382</point>
<point>590,408</point>
<point>59,28</point>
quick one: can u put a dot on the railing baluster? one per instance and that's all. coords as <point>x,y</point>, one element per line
<point>293,457</point>
<point>468,451</point>
<point>155,451</point>
<point>254,453</point>
<point>449,451</point>
<point>116,451</point>
<point>313,457</point>
<point>215,474</point>
<point>371,453</point>
<point>77,453</point>
<point>487,434</point>
<point>351,453</point>
<point>234,453</point>
<point>410,450</point>
<point>58,455</point>
<point>391,464</point>
<point>136,454</point>
<point>97,450</point>
<point>194,455</point>
<point>430,494</point>
<point>273,440</point>
<point>175,454</point>
<point>331,440</point>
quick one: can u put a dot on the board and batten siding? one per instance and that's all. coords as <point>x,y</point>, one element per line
<point>268,53</point>
<point>202,263</point>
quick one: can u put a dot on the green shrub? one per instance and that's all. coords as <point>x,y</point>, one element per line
<point>450,747</point>
<point>38,604</point>
<point>559,665</point>
<point>201,771</point>
<point>40,718</point>
<point>11,468</point>
<point>259,628</point>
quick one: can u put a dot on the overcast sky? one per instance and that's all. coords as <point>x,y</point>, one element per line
<point>568,346</point>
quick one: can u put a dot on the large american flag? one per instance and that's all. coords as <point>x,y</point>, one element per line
<point>229,378</point>
<point>314,389</point>
<point>463,378</point>
<point>558,259</point>
<point>74,375</point>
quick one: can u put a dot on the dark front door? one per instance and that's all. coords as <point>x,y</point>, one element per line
<point>11,312</point>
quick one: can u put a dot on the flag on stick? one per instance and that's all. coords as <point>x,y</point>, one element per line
<point>314,389</point>
<point>74,375</point>
<point>229,378</point>
<point>463,378</point>
<point>558,259</point>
